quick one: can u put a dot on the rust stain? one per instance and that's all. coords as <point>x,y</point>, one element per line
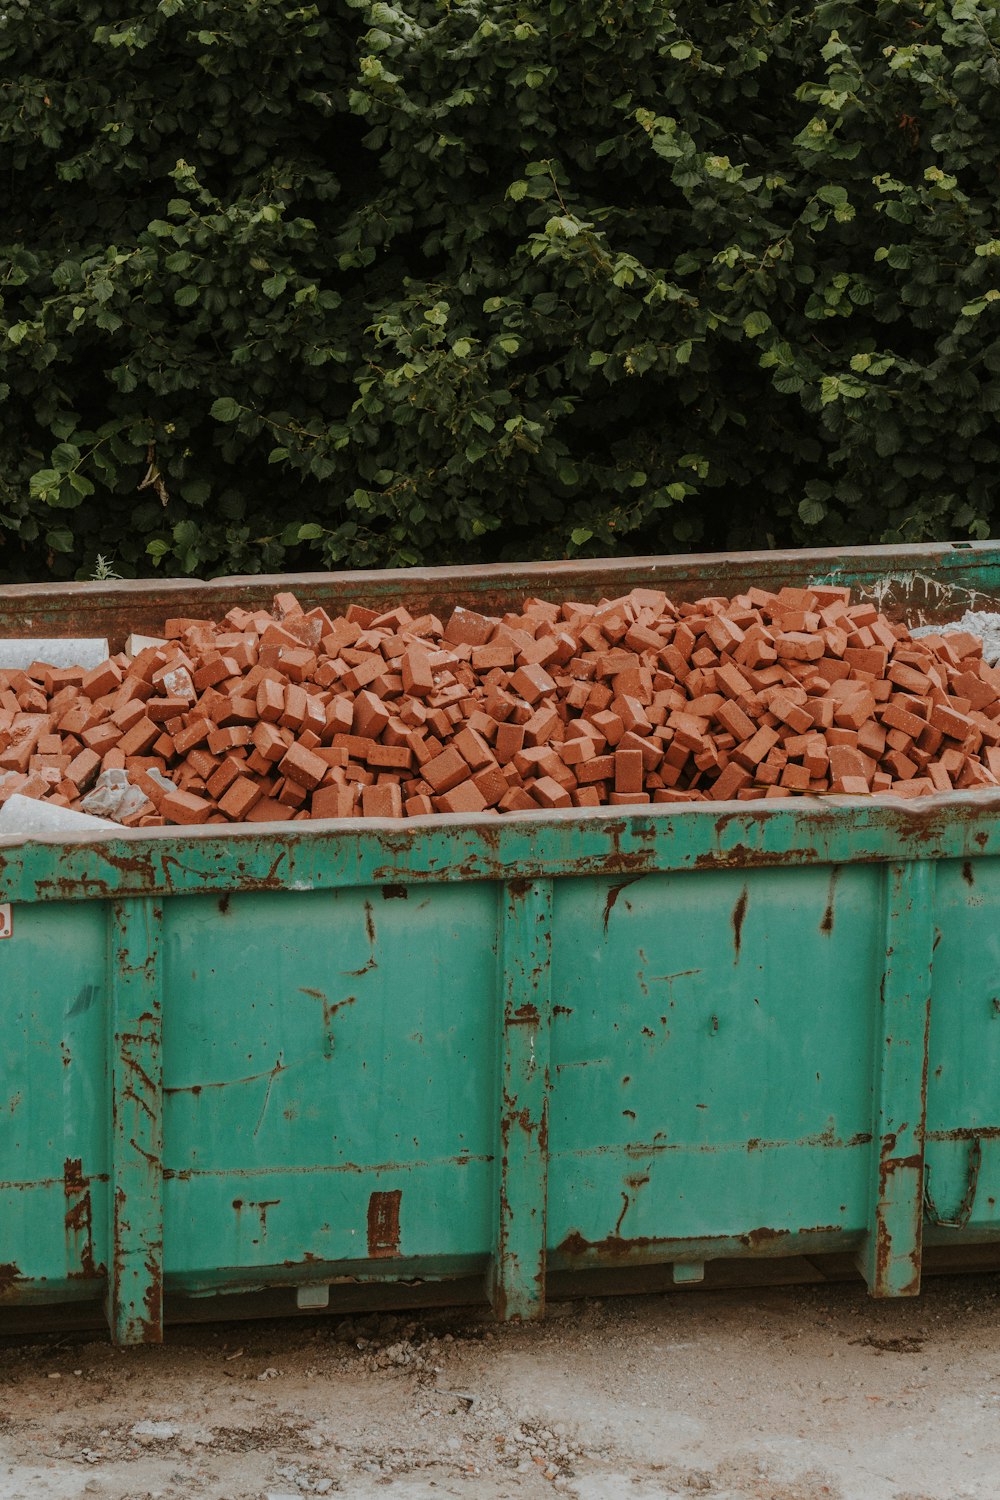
<point>612,1247</point>
<point>10,1275</point>
<point>79,1222</point>
<point>755,1238</point>
<point>739,913</point>
<point>153,1298</point>
<point>612,897</point>
<point>370,923</point>
<point>227,1083</point>
<point>826,926</point>
<point>330,1008</point>
<point>383,1224</point>
<point>261,1205</point>
<point>967,874</point>
<point>395,893</point>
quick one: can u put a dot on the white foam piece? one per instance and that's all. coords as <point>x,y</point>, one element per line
<point>78,651</point>
<point>26,815</point>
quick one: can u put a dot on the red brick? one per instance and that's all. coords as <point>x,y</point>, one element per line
<point>221,740</point>
<point>445,771</point>
<point>83,768</point>
<point>492,784</point>
<point>729,782</point>
<point>467,628</point>
<point>900,718</point>
<point>102,679</point>
<point>195,733</point>
<point>381,801</point>
<point>532,683</point>
<point>464,797</point>
<point>303,767</point>
<point>185,807</point>
<point>238,800</point>
<point>270,700</point>
<point>955,725</point>
<point>846,762</point>
<point>853,786</point>
<point>269,743</point>
<point>419,806</point>
<point>628,771</point>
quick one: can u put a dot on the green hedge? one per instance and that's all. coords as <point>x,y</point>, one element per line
<point>359,284</point>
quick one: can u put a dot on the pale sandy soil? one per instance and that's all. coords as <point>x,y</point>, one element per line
<point>809,1393</point>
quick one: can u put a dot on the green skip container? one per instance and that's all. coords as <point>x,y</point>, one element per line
<point>329,1057</point>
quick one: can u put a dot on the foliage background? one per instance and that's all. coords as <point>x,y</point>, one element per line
<point>361,284</point>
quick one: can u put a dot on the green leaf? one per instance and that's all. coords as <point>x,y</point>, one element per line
<point>274,285</point>
<point>580,535</point>
<point>756,323</point>
<point>65,457</point>
<point>811,511</point>
<point>225,409</point>
<point>187,296</point>
<point>310,532</point>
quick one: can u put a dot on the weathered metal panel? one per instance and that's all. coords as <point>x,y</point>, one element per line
<point>962,1165</point>
<point>275,1056</point>
<point>329,1079</point>
<point>711,1061</point>
<point>517,1272</point>
<point>890,1259</point>
<point>54,1103</point>
<point>135,1277</point>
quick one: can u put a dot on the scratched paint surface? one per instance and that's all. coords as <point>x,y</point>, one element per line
<point>963,1085</point>
<point>54,1104</point>
<point>319,1049</point>
<point>711,1056</point>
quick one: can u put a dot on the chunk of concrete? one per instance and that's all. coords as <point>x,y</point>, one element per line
<point>137,643</point>
<point>20,817</point>
<point>79,651</point>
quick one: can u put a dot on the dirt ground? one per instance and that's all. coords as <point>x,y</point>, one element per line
<point>805,1393</point>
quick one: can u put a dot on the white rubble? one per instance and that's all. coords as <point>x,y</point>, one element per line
<point>981,622</point>
<point>81,651</point>
<point>26,815</point>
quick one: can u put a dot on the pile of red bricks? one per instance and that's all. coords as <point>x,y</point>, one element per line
<point>293,714</point>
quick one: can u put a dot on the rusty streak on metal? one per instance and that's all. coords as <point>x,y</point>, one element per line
<point>612,897</point>
<point>188,1174</point>
<point>79,1222</point>
<point>826,926</point>
<point>739,914</point>
<point>228,1083</point>
<point>615,1247</point>
<point>383,1224</point>
<point>10,1275</point>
